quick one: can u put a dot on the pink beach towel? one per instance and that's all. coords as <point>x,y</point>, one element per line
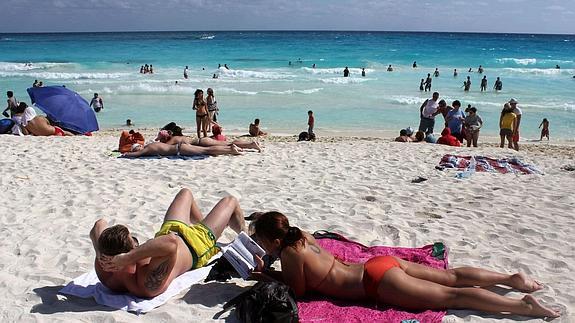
<point>316,309</point>
<point>486,164</point>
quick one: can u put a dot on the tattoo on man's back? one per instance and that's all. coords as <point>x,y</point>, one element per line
<point>157,276</point>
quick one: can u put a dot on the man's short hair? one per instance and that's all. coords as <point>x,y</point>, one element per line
<point>257,121</point>
<point>456,103</point>
<point>442,103</point>
<point>115,240</point>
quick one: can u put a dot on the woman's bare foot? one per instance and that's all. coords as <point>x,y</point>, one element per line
<point>256,145</point>
<point>524,283</point>
<point>237,150</point>
<point>538,310</point>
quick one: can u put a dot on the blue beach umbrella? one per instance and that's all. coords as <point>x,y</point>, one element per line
<point>67,108</point>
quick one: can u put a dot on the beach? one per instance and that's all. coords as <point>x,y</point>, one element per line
<point>55,188</point>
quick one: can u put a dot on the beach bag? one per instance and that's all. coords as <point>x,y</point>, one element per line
<point>265,302</point>
<point>127,139</point>
<point>6,126</point>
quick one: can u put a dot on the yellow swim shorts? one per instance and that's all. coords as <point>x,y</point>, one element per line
<point>199,238</point>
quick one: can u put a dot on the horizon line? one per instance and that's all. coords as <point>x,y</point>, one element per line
<point>286,30</point>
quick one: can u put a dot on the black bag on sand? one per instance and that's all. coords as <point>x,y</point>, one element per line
<point>265,302</point>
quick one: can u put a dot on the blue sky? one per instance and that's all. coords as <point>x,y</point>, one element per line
<point>522,16</point>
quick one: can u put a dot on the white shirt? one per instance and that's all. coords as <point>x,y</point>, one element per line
<point>429,109</point>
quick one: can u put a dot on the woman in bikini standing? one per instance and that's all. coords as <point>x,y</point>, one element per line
<point>387,279</point>
<point>202,119</point>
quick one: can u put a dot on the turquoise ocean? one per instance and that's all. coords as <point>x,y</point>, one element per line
<point>262,84</point>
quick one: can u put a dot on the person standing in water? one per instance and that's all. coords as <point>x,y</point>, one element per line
<point>483,86</point>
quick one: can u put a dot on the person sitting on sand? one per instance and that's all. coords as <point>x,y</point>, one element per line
<point>255,130</point>
<point>447,139</point>
<point>217,132</point>
<point>31,124</point>
<point>306,267</point>
<point>183,149</point>
<point>186,240</point>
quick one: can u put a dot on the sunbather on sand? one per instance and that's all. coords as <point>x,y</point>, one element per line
<point>32,124</point>
<point>162,149</point>
<point>209,142</point>
<point>186,240</point>
<point>386,279</point>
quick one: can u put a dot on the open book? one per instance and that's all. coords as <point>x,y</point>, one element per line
<point>240,253</point>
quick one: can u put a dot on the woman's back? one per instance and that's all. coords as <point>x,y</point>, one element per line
<point>321,271</point>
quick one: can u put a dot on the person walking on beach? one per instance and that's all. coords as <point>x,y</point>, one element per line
<point>427,112</point>
<point>517,111</point>
<point>202,119</point>
<point>498,86</point>
<point>545,129</point>
<point>507,125</point>
<point>310,123</point>
<point>213,109</point>
<point>455,119</point>
<point>186,72</point>
<point>97,104</point>
<point>428,83</point>
<point>483,86</point>
<point>472,124</point>
<point>12,105</point>
<point>185,241</point>
<point>346,72</point>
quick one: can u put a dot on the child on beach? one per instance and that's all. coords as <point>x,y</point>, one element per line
<point>507,122</point>
<point>310,122</point>
<point>545,129</point>
<point>472,123</point>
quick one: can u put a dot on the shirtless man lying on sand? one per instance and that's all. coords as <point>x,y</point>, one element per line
<point>185,241</point>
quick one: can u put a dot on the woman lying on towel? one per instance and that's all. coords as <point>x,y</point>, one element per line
<point>161,149</point>
<point>28,123</point>
<point>387,279</point>
<point>165,137</point>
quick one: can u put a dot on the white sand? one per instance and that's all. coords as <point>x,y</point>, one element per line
<point>53,189</point>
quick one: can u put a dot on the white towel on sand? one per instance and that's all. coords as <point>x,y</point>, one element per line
<point>88,285</point>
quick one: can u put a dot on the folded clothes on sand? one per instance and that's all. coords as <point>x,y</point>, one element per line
<point>88,285</point>
<point>486,164</point>
<point>318,308</point>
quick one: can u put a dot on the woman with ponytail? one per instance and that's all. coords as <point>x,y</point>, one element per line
<point>386,279</point>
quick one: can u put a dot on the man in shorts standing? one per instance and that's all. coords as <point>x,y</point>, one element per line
<point>427,112</point>
<point>513,102</point>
